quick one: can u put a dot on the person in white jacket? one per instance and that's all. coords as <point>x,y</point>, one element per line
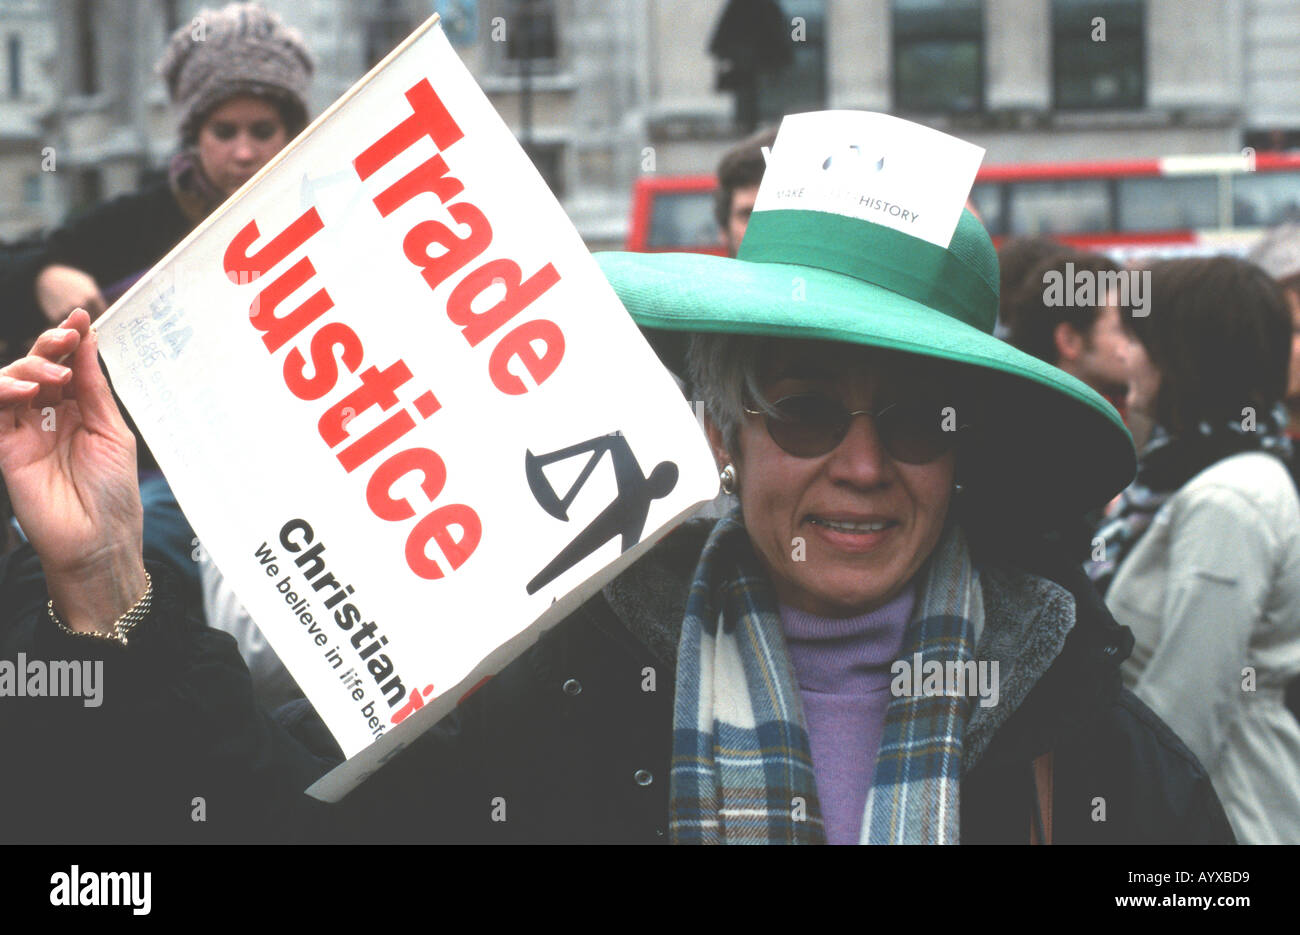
<point>273,686</point>
<point>1207,540</point>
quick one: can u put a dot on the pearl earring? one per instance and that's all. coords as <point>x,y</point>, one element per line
<point>728,478</point>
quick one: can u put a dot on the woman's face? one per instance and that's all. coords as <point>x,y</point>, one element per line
<point>237,139</point>
<point>1143,379</point>
<point>1143,386</point>
<point>845,532</point>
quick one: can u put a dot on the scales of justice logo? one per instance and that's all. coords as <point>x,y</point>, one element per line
<point>624,517</point>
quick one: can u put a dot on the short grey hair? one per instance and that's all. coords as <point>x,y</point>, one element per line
<point>725,372</point>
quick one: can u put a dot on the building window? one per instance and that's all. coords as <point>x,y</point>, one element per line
<point>15,66</point>
<point>171,16</point>
<point>802,86</point>
<point>87,189</point>
<point>1069,206</point>
<point>1274,139</point>
<point>988,199</point>
<point>87,47</point>
<point>386,28</point>
<point>1097,54</point>
<point>1264,199</point>
<point>939,55</point>
<point>32,189</point>
<point>549,160</point>
<point>1168,203</point>
<point>532,40</point>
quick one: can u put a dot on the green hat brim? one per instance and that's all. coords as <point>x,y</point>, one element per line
<point>1045,442</point>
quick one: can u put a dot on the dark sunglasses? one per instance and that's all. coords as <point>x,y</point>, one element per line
<point>810,425</point>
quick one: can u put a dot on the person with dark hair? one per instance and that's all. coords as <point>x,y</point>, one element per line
<point>238,79</point>
<point>1085,339</point>
<point>739,174</point>
<point>1278,254</point>
<point>1205,545</point>
<point>751,40</point>
<point>1016,257</point>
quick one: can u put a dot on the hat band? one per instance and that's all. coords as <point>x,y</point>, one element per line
<point>914,268</point>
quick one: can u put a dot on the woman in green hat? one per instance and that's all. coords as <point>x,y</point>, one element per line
<point>875,646</point>
<point>895,468</point>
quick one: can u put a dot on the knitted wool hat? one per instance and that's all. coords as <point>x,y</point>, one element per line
<point>239,49</point>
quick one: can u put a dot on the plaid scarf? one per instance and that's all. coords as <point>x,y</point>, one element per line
<point>1166,463</point>
<point>742,770</point>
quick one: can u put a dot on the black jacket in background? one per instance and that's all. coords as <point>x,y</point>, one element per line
<point>120,238</point>
<point>585,763</point>
<point>20,317</point>
<point>116,242</point>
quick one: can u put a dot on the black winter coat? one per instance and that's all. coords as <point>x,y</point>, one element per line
<point>116,242</point>
<point>565,744</point>
<point>122,237</point>
<point>113,242</point>
<point>20,318</point>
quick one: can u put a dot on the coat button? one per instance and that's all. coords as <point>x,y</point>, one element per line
<point>643,777</point>
<point>572,687</point>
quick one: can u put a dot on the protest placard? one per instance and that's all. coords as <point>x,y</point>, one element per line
<point>400,405</point>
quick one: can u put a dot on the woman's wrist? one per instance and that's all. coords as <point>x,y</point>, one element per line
<point>91,599</point>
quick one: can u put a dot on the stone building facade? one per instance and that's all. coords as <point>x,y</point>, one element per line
<point>601,91</point>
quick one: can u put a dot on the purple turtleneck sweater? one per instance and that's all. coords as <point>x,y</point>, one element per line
<point>843,670</point>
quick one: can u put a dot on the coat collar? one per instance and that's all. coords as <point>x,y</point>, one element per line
<point>1027,621</point>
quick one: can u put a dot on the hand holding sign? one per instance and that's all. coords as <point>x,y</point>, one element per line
<point>68,461</point>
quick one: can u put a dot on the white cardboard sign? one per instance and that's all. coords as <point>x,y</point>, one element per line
<point>405,413</point>
<point>871,166</point>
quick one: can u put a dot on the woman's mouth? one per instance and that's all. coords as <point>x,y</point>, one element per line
<point>853,535</point>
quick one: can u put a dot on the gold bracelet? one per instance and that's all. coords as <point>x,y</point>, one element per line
<point>121,626</point>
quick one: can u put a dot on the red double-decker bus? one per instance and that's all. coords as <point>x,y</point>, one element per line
<point>1174,205</point>
<point>674,213</point>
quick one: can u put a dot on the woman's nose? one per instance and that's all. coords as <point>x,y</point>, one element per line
<point>860,457</point>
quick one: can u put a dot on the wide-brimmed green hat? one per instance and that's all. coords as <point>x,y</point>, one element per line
<point>1043,444</point>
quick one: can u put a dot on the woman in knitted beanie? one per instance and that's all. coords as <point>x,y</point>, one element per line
<point>238,78</point>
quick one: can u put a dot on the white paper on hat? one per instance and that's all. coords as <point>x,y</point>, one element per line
<point>871,166</point>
